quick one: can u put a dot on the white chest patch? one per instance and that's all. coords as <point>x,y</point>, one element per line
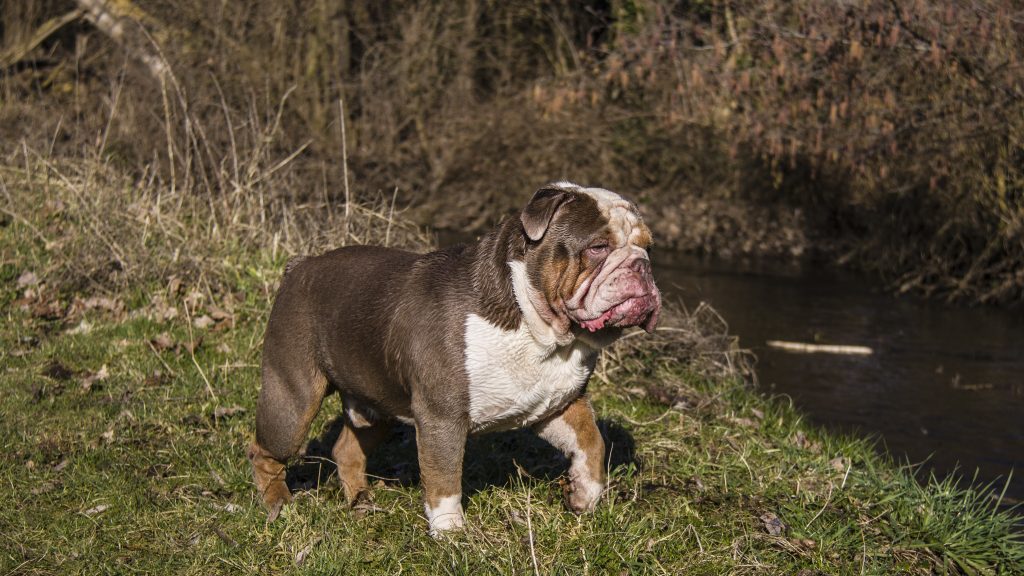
<point>514,380</point>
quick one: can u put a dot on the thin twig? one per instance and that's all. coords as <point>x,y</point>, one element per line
<point>391,218</point>
<point>344,164</point>
<point>827,500</point>
<point>529,530</point>
<point>192,352</point>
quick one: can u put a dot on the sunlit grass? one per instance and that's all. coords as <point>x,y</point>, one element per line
<point>128,395</point>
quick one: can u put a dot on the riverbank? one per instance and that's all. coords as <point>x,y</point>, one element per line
<point>130,350</point>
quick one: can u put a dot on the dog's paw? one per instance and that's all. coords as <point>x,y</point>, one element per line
<point>275,496</point>
<point>273,511</point>
<point>582,493</point>
<point>446,516</point>
<point>269,475</point>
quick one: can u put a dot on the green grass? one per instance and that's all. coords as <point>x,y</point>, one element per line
<point>140,472</point>
<point>123,429</point>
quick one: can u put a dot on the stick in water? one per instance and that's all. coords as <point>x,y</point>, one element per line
<point>820,348</point>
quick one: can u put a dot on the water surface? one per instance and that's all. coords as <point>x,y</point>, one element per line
<point>945,384</point>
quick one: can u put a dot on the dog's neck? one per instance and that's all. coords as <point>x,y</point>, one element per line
<point>496,300</point>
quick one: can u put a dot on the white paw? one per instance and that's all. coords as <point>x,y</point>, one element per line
<point>584,492</point>
<point>447,515</point>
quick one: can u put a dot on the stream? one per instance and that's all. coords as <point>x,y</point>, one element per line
<point>944,385</point>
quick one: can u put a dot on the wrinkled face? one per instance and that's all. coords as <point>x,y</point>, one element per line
<point>587,259</point>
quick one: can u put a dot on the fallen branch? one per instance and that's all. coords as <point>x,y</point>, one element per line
<point>18,52</point>
<point>123,22</point>
<point>820,348</point>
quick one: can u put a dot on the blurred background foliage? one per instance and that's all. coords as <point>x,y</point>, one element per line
<point>885,134</point>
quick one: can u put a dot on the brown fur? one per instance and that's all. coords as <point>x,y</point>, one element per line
<point>386,329</point>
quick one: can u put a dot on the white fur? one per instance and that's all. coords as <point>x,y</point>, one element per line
<point>447,515</point>
<point>540,330</point>
<point>514,380</point>
<point>622,220</point>
<point>519,377</point>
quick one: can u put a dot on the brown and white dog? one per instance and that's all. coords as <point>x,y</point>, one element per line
<point>499,334</point>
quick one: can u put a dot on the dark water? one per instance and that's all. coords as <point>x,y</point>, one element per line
<point>944,386</point>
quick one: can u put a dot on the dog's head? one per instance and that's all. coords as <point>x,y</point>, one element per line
<point>587,270</point>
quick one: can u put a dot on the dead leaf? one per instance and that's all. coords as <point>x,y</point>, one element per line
<point>48,310</point>
<point>99,509</point>
<point>800,441</point>
<point>162,341</point>
<point>193,299</point>
<point>43,488</point>
<point>173,284</point>
<point>803,543</point>
<point>363,506</point>
<point>838,464</point>
<point>103,303</point>
<point>274,511</point>
<point>695,484</point>
<point>108,436</point>
<point>221,412</point>
<point>26,279</point>
<point>60,465</point>
<point>157,378</point>
<point>217,313</point>
<point>57,371</point>
<point>194,345</point>
<point>84,327</point>
<point>301,556</point>
<point>161,311</point>
<point>203,321</point>
<point>772,524</point>
<point>91,379</point>
<point>229,507</point>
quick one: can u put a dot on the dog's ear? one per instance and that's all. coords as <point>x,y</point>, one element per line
<point>542,207</point>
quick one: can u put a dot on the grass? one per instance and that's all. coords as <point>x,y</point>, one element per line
<point>123,426</point>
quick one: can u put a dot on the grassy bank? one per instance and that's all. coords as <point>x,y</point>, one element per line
<point>133,315</point>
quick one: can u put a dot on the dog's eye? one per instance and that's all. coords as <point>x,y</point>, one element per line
<point>598,250</point>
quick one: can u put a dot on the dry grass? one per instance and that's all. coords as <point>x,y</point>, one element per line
<point>861,128</point>
<point>103,232</point>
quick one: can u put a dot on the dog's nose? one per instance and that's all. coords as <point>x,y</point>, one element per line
<point>641,266</point>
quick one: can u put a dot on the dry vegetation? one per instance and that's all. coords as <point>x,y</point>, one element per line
<point>887,132</point>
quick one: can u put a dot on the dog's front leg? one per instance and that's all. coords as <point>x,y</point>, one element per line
<point>574,432</point>
<point>440,446</point>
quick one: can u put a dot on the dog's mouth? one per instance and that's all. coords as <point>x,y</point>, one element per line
<point>635,311</point>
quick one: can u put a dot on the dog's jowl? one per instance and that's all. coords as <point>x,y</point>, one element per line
<point>499,334</point>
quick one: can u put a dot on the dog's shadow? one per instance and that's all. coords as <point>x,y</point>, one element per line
<point>496,459</point>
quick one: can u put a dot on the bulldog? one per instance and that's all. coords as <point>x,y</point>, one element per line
<point>499,334</point>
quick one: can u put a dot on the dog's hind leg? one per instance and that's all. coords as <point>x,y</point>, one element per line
<point>360,434</point>
<point>289,400</point>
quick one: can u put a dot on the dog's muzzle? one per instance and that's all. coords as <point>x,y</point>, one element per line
<point>625,296</point>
